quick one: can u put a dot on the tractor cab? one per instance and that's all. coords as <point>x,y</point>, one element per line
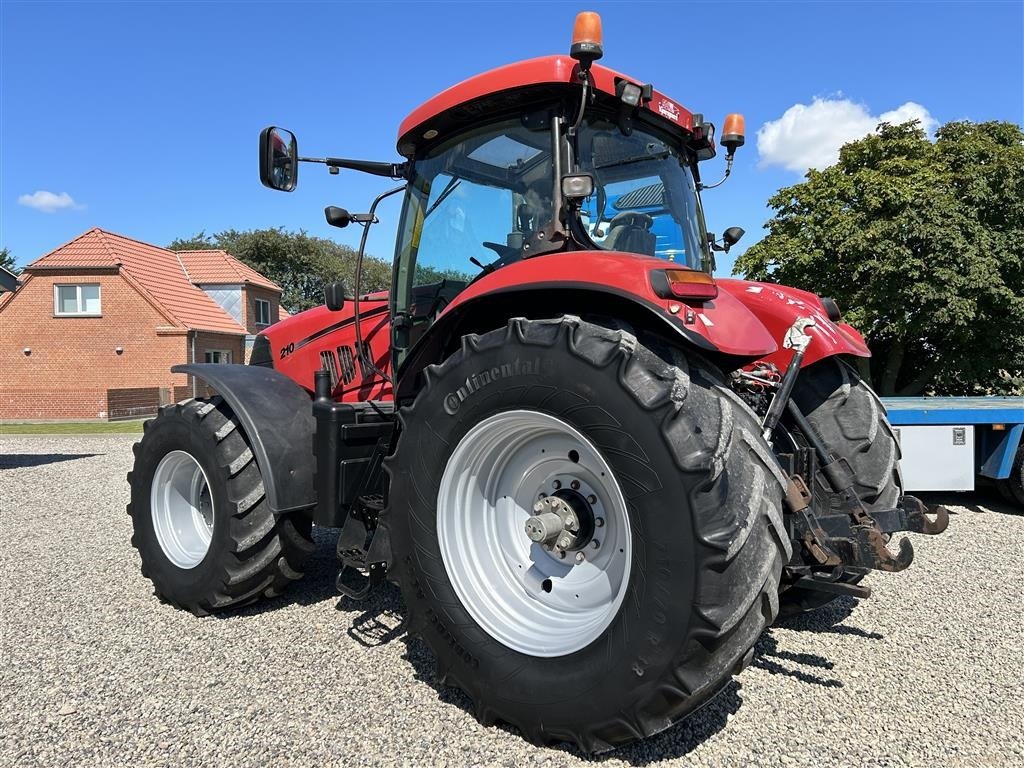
<point>496,194</point>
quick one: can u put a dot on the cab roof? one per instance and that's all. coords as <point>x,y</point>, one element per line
<point>547,70</point>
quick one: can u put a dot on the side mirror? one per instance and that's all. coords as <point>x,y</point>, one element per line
<point>334,296</point>
<point>337,217</point>
<point>279,159</point>
<point>732,134</point>
<point>731,236</point>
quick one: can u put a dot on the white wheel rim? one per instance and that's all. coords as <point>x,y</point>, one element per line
<point>490,484</point>
<point>182,509</point>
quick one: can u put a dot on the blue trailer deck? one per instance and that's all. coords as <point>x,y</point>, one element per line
<point>940,435</point>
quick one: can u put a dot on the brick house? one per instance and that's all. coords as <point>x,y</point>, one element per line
<point>95,326</point>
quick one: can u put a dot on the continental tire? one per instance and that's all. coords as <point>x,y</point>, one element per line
<point>206,535</point>
<point>1013,487</point>
<point>848,415</point>
<point>691,531</point>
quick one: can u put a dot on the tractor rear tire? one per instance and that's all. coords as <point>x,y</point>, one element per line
<point>686,498</point>
<point>204,530</point>
<point>848,415</point>
<point>1012,488</point>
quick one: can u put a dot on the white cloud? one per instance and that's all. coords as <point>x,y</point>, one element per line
<point>810,135</point>
<point>49,202</point>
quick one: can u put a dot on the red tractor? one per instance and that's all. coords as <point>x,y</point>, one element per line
<point>596,472</point>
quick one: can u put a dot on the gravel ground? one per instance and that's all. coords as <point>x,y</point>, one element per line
<point>96,671</point>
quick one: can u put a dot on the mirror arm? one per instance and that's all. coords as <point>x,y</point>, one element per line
<point>389,170</point>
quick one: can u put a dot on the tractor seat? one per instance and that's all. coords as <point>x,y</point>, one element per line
<point>630,231</point>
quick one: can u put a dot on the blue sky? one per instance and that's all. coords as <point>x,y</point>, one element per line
<point>142,118</point>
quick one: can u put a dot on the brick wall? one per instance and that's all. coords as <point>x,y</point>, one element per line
<point>250,294</point>
<point>136,401</point>
<point>73,362</point>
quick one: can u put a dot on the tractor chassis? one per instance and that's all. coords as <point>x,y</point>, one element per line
<point>832,531</point>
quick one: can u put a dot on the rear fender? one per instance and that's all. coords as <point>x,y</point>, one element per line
<point>485,312</point>
<point>778,307</point>
<point>722,325</point>
<point>276,415</point>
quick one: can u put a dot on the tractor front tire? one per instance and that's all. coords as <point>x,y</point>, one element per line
<point>848,415</point>
<point>202,525</point>
<point>675,488</point>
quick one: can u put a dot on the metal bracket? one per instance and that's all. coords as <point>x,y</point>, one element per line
<point>795,338</point>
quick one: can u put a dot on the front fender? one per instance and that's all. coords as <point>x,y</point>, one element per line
<point>778,307</point>
<point>276,415</point>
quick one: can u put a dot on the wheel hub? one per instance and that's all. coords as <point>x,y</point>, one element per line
<point>562,522</point>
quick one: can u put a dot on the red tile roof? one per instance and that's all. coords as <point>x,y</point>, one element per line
<point>157,273</point>
<point>219,267</point>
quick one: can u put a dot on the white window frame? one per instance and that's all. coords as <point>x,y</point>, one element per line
<point>225,356</point>
<point>256,311</point>
<point>78,296</point>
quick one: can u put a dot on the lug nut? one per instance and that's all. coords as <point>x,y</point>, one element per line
<point>557,484</point>
<point>580,557</point>
<point>599,522</point>
<point>575,484</point>
<point>542,496</point>
<point>561,554</point>
<point>592,499</point>
<point>595,544</point>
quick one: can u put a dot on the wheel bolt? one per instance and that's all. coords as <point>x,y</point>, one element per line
<point>595,544</point>
<point>542,496</point>
<point>575,484</point>
<point>599,522</point>
<point>592,499</point>
<point>561,554</point>
<point>580,557</point>
<point>557,484</point>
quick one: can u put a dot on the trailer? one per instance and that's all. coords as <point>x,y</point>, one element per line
<point>950,442</point>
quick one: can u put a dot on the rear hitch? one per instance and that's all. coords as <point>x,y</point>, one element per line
<point>916,510</point>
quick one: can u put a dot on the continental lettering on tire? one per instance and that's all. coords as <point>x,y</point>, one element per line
<point>477,381</point>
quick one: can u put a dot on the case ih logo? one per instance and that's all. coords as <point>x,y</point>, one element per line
<point>669,109</point>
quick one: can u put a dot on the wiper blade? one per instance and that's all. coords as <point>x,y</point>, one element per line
<point>449,188</point>
<point>636,159</point>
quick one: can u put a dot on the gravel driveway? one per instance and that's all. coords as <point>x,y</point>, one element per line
<point>94,670</point>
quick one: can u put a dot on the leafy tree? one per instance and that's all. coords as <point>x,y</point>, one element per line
<point>301,264</point>
<point>7,261</point>
<point>922,245</point>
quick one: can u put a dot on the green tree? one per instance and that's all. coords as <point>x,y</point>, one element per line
<point>301,264</point>
<point>7,261</point>
<point>922,245</point>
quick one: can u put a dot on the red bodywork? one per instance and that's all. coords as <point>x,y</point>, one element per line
<point>548,69</point>
<point>746,320</point>
<point>297,342</point>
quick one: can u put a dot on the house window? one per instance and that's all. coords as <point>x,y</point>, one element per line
<point>72,300</point>
<point>218,356</point>
<point>262,312</point>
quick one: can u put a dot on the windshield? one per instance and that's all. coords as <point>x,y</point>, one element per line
<point>470,207</point>
<point>645,197</point>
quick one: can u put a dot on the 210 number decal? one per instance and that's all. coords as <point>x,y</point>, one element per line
<point>285,351</point>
